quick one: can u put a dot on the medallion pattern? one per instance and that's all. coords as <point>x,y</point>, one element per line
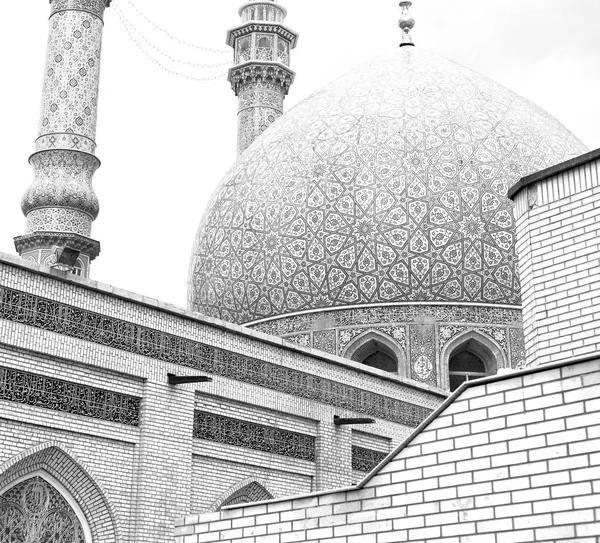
<point>34,511</point>
<point>389,185</point>
<point>423,352</point>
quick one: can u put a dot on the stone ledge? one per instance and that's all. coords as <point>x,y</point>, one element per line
<point>553,170</point>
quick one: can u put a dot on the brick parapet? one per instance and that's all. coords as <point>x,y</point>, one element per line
<point>120,304</point>
<point>157,471</point>
<point>508,459</point>
<point>558,231</point>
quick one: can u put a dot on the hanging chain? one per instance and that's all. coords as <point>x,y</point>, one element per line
<point>163,53</point>
<point>175,38</point>
<point>127,27</point>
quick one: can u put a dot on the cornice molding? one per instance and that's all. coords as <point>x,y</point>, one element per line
<point>41,240</point>
<point>254,26</point>
<point>266,72</point>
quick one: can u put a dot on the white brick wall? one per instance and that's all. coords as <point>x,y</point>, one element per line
<point>558,231</point>
<point>527,470</point>
<point>155,472</point>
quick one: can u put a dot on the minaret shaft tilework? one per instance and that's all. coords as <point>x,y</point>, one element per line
<point>61,205</point>
<point>261,76</point>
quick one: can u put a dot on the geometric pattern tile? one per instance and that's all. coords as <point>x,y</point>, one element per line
<point>389,185</point>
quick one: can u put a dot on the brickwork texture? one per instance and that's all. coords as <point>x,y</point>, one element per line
<point>558,231</point>
<point>506,459</point>
<point>72,349</point>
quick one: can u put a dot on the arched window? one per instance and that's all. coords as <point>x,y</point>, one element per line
<point>471,356</point>
<point>465,366</point>
<point>35,510</point>
<point>375,350</point>
<point>248,493</point>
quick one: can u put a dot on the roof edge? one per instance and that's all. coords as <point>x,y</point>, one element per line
<point>236,329</point>
<point>419,429</point>
<point>552,170</point>
<point>458,392</point>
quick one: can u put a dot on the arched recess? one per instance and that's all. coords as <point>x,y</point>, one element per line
<point>247,491</point>
<point>56,463</point>
<point>376,350</point>
<point>38,506</point>
<point>469,356</point>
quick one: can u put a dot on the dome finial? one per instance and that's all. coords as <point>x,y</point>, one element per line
<point>406,23</point>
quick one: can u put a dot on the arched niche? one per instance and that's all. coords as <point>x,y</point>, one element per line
<point>38,506</point>
<point>246,491</point>
<point>376,350</point>
<point>470,356</point>
<point>58,466</point>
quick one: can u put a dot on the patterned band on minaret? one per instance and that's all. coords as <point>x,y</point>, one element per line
<point>261,76</point>
<point>61,205</point>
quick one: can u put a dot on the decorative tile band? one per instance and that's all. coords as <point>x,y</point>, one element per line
<point>253,436</point>
<point>17,306</point>
<point>41,391</point>
<point>365,460</point>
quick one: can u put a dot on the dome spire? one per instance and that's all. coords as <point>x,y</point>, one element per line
<point>406,23</point>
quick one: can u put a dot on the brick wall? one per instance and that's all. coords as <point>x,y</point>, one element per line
<point>505,460</point>
<point>558,231</point>
<point>152,473</point>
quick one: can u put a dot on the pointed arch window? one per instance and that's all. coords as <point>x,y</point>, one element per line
<point>34,510</point>
<point>375,350</point>
<point>250,493</point>
<point>244,47</point>
<point>264,49</point>
<point>472,358</point>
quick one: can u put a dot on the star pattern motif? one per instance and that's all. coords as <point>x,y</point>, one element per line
<point>389,185</point>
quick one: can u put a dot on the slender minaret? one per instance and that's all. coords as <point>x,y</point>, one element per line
<point>261,76</point>
<point>61,205</point>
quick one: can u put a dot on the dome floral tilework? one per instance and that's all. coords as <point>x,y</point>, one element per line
<point>388,185</point>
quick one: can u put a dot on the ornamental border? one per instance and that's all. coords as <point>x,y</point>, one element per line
<point>238,432</point>
<point>40,391</point>
<point>43,313</point>
<point>365,460</point>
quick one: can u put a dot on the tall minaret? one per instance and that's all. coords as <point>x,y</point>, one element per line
<point>261,76</point>
<point>61,205</point>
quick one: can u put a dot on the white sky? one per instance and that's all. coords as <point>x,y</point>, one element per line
<point>165,142</point>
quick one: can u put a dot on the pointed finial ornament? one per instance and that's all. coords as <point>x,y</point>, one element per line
<point>406,23</point>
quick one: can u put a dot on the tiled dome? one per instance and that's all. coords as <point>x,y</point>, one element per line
<point>389,185</point>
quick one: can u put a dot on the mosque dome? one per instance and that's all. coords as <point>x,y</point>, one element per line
<point>387,186</point>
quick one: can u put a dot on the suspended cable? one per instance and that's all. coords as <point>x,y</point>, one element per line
<point>175,38</point>
<point>163,53</point>
<point>159,64</point>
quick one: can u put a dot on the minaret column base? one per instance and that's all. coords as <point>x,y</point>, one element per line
<point>45,248</point>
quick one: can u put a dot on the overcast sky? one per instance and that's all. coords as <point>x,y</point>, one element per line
<point>165,141</point>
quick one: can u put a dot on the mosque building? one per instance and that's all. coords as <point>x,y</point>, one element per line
<point>355,318</point>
